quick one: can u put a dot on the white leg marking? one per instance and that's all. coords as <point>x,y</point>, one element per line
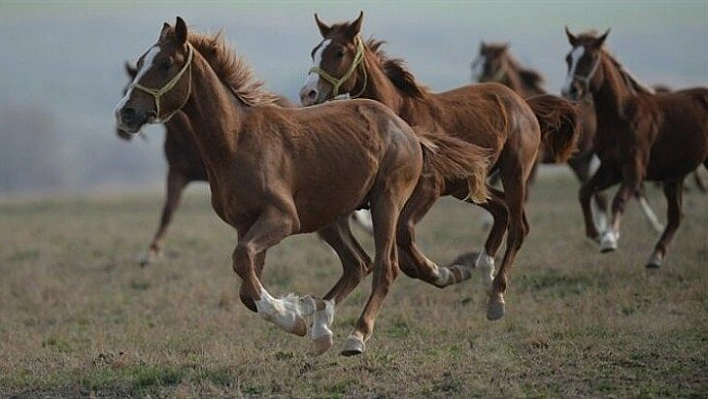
<point>650,215</point>
<point>485,263</point>
<point>599,217</point>
<point>322,321</point>
<point>609,241</point>
<point>445,277</point>
<point>287,313</point>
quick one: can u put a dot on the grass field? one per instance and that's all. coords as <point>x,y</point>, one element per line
<point>79,317</point>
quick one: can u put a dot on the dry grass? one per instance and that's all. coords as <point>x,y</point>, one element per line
<point>78,317</point>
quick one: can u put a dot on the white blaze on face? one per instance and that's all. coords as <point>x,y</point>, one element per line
<point>478,66</point>
<point>575,56</point>
<point>313,79</point>
<point>147,64</point>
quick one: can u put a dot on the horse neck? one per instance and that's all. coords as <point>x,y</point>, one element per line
<point>610,98</point>
<point>213,111</point>
<point>378,86</point>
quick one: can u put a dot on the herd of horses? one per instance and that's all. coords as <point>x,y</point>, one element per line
<point>394,147</point>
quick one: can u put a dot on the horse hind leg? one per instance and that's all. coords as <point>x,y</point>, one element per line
<point>356,265</point>
<point>673,191</point>
<point>412,260</point>
<point>385,211</point>
<point>517,231</point>
<point>497,207</point>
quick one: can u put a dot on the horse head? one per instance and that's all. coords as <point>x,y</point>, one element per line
<point>335,60</point>
<point>583,60</point>
<point>162,84</point>
<point>491,63</point>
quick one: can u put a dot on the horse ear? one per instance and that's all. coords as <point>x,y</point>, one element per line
<point>323,27</point>
<point>165,28</point>
<point>181,31</point>
<point>601,40</point>
<point>571,38</point>
<point>130,70</point>
<point>355,26</point>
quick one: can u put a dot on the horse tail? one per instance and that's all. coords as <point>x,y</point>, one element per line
<point>457,159</point>
<point>559,122</point>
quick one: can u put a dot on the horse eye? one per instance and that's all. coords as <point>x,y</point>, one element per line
<point>339,53</point>
<point>165,64</point>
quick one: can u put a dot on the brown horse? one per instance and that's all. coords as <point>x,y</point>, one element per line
<point>275,172</point>
<point>184,165</point>
<point>489,115</point>
<point>494,63</point>
<point>640,136</point>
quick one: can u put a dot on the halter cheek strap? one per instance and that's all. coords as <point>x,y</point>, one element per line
<point>157,93</point>
<point>337,83</point>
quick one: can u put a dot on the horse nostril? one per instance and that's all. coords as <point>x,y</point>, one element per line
<point>127,114</point>
<point>312,95</point>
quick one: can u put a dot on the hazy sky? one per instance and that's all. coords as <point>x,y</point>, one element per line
<point>66,57</point>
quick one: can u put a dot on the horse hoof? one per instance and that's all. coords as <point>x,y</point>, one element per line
<point>353,346</point>
<point>654,262</point>
<point>608,243</point>
<point>150,258</point>
<point>496,308</point>
<point>322,344</point>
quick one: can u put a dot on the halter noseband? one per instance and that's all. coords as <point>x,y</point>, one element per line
<point>157,93</point>
<point>336,83</point>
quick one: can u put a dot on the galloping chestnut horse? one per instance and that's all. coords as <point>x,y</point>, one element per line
<point>640,136</point>
<point>494,63</point>
<point>184,165</point>
<point>489,115</point>
<point>275,172</point>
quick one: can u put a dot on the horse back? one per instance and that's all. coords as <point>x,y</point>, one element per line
<point>681,142</point>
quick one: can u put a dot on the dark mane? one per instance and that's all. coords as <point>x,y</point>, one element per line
<point>531,78</point>
<point>395,70</point>
<point>233,71</point>
<point>632,82</point>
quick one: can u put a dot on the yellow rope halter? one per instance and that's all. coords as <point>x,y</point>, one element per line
<point>336,83</point>
<point>157,93</point>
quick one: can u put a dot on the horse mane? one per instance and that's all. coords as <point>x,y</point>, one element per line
<point>396,71</point>
<point>232,69</point>
<point>632,82</point>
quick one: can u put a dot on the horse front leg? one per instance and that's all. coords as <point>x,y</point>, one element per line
<point>647,210</point>
<point>673,191</point>
<point>631,182</point>
<point>600,180</point>
<point>269,229</point>
<point>176,182</point>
